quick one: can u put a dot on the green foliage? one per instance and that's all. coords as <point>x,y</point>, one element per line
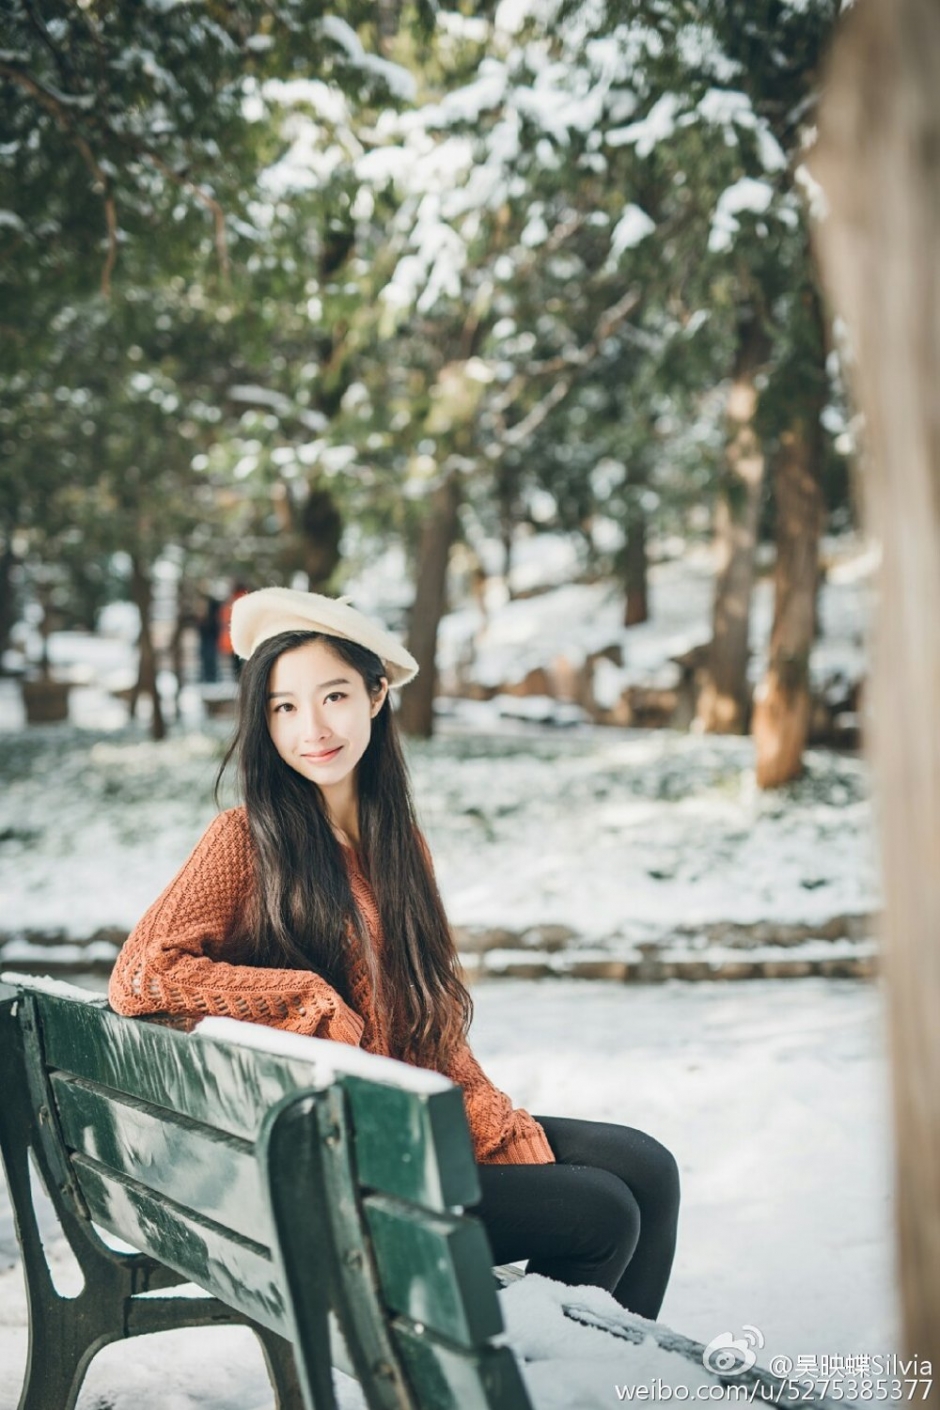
<point>263,264</point>
<point>153,262</point>
<point>584,210</point>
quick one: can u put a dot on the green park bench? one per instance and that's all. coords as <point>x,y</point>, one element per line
<point>314,1192</point>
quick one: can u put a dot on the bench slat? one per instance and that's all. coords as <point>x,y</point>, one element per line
<point>450,1378</point>
<point>221,1086</point>
<point>435,1269</point>
<point>213,1174</point>
<point>236,1270</point>
<point>411,1144</point>
<point>419,1151</point>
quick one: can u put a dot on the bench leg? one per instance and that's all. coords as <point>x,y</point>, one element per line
<point>65,1333</point>
<point>55,1370</point>
<point>282,1369</point>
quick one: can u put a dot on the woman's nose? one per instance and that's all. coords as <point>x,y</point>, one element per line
<point>314,723</point>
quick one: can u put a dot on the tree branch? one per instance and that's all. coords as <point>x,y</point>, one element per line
<point>39,26</point>
<point>49,97</point>
<point>572,364</point>
<point>207,199</point>
<point>57,105</point>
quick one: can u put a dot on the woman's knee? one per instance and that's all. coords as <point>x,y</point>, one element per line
<point>637,1159</point>
<point>652,1171</point>
<point>666,1169</point>
<point>607,1215</point>
<point>653,1175</point>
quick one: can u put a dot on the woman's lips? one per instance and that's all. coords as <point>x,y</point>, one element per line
<point>322,758</point>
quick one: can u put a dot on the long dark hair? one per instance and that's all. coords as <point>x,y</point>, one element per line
<point>300,910</point>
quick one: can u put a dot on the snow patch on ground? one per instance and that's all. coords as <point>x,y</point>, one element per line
<point>618,834</point>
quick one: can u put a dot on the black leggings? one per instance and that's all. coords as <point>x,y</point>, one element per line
<point>605,1214</point>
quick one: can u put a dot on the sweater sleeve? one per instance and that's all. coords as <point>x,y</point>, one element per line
<point>168,965</point>
<point>502,1134</point>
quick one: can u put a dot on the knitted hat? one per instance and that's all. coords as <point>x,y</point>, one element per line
<point>260,615</point>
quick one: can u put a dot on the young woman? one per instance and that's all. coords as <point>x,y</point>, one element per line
<point>314,908</point>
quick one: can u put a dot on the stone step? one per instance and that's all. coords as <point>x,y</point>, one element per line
<point>860,963</point>
<point>840,948</point>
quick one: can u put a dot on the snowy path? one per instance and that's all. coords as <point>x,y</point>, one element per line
<point>773,1097</point>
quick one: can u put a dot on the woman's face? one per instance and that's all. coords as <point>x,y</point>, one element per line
<point>320,713</point>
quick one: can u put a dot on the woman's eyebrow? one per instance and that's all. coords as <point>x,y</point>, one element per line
<point>324,685</point>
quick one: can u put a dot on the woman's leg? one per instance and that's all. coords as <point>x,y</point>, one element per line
<point>649,1171</point>
<point>574,1223</point>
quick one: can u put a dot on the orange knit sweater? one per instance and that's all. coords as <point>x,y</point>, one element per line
<point>173,962</point>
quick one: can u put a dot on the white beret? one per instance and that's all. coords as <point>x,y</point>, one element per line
<point>257,616</point>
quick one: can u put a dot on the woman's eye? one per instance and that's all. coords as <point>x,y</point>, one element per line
<point>284,706</point>
<point>336,695</point>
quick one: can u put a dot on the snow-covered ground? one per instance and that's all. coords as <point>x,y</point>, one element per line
<point>773,1098</point>
<point>619,835</point>
<point>622,836</point>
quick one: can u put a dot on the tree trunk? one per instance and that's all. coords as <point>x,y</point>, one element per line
<point>879,162</point>
<point>321,524</point>
<point>782,705</point>
<point>723,701</point>
<point>636,605</point>
<point>507,494</point>
<point>507,531</point>
<point>416,715</point>
<point>142,594</point>
<point>7,609</point>
<point>176,654</point>
<point>45,631</point>
<point>388,19</point>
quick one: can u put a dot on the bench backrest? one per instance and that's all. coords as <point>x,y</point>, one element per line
<point>296,1180</point>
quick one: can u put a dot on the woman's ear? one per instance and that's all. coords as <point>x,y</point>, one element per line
<point>378,700</point>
